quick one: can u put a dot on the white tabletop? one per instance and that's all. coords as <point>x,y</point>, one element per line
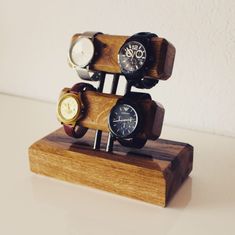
<point>33,204</point>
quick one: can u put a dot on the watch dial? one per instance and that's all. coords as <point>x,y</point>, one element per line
<point>123,120</point>
<point>82,52</point>
<point>68,108</point>
<point>132,56</point>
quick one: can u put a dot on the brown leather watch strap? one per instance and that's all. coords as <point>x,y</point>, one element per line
<point>76,132</point>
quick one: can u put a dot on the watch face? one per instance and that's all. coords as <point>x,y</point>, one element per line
<point>123,120</point>
<point>82,52</point>
<point>68,108</point>
<point>132,56</point>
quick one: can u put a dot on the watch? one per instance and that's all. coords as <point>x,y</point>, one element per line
<point>81,53</point>
<point>71,109</point>
<point>135,57</point>
<point>126,120</point>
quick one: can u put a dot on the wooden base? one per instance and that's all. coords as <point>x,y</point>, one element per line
<point>152,174</point>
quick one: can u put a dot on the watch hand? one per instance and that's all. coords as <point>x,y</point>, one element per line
<point>129,53</point>
<point>69,110</point>
<point>123,120</point>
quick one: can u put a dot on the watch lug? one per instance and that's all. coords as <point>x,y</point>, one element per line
<point>64,91</point>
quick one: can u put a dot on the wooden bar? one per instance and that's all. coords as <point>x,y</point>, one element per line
<point>98,106</point>
<point>107,47</point>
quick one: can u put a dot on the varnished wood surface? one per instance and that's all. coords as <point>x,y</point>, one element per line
<point>98,106</point>
<point>151,174</point>
<point>107,55</point>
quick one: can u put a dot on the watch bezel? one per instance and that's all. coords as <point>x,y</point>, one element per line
<point>73,120</point>
<point>74,65</point>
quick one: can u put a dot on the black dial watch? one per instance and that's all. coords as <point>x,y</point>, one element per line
<point>126,120</point>
<point>135,57</point>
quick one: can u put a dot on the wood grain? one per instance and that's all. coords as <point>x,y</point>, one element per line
<point>107,47</point>
<point>98,106</point>
<point>152,174</point>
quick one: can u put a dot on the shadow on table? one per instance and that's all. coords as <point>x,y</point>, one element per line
<point>183,195</point>
<point>83,205</point>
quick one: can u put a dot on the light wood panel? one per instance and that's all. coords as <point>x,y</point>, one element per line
<point>152,174</point>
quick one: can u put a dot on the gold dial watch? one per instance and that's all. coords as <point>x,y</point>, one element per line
<point>71,109</point>
<point>82,52</point>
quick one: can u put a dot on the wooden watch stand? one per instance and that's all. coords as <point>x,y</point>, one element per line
<point>107,54</point>
<point>99,106</point>
<point>151,174</point>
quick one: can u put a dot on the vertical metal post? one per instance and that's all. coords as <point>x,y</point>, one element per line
<point>98,133</point>
<point>115,83</point>
<point>109,146</point>
<point>128,87</point>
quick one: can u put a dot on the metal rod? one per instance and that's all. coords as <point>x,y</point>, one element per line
<point>115,83</point>
<point>97,140</point>
<point>109,146</point>
<point>98,133</point>
<point>128,87</point>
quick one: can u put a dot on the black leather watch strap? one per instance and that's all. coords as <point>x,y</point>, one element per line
<point>145,83</point>
<point>135,96</point>
<point>141,35</point>
<point>81,87</point>
<point>133,143</point>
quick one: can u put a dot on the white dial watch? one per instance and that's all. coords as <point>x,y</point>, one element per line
<point>81,53</point>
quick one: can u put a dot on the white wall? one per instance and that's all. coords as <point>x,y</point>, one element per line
<point>35,35</point>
